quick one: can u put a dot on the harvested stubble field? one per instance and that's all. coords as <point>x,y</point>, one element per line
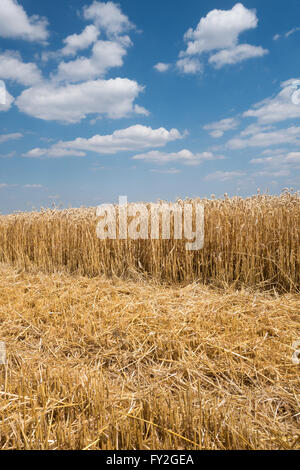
<point>107,356</point>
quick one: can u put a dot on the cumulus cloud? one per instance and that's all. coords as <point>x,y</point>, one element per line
<point>15,23</point>
<point>77,42</point>
<point>74,43</point>
<point>13,68</point>
<point>105,55</point>
<point>108,17</point>
<point>279,159</point>
<point>219,31</point>
<point>108,20</point>
<point>7,137</point>
<point>264,133</point>
<point>279,164</point>
<point>133,138</point>
<point>53,152</point>
<point>255,129</point>
<point>73,102</point>
<point>189,65</point>
<point>218,128</point>
<point>291,135</point>
<point>162,67</point>
<point>183,156</point>
<point>77,89</point>
<point>280,108</point>
<point>236,54</point>
<point>140,110</point>
<point>292,157</point>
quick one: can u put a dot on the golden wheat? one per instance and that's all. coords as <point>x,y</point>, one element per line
<point>251,242</point>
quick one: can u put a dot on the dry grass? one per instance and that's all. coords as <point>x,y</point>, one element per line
<point>248,242</point>
<point>108,364</point>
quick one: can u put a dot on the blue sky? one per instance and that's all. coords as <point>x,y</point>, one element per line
<point>153,100</point>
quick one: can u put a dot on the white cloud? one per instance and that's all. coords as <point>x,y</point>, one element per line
<point>71,103</point>
<point>271,174</point>
<point>33,186</point>
<point>7,137</point>
<point>53,152</point>
<point>189,65</point>
<point>224,175</point>
<point>216,134</point>
<point>293,157</point>
<point>274,151</point>
<point>107,17</point>
<point>279,159</point>
<point>183,156</point>
<point>77,42</point>
<point>47,55</point>
<point>63,99</point>
<point>292,31</point>
<point>219,127</point>
<point>170,171</point>
<point>13,68</point>
<point>290,135</point>
<point>280,108</point>
<point>278,164</point>
<point>109,20</point>
<point>15,23</point>
<point>236,54</point>
<point>255,129</point>
<point>219,31</point>
<point>141,110</point>
<point>133,138</point>
<point>162,67</point>
<point>265,135</point>
<point>266,160</point>
<point>287,34</point>
<point>105,55</point>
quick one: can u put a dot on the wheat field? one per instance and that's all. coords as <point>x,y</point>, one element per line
<point>248,242</point>
<point>143,345</point>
